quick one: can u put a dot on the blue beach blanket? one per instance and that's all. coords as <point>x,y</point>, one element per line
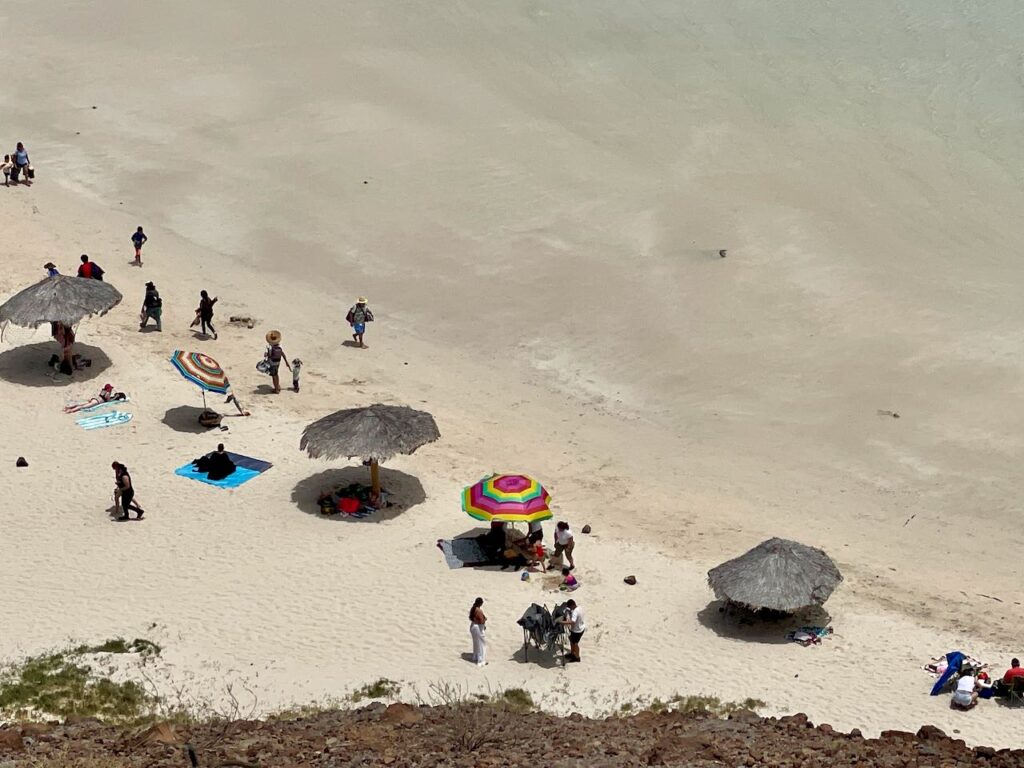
<point>246,468</point>
<point>101,420</point>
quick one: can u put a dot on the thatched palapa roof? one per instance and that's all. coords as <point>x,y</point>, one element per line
<point>59,299</point>
<point>375,432</point>
<point>777,574</point>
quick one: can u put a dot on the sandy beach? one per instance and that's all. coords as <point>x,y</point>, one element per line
<point>532,196</point>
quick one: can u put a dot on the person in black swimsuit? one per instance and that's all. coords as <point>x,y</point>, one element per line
<point>124,492</point>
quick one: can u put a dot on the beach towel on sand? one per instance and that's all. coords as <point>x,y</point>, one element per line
<point>463,553</point>
<point>101,420</point>
<point>246,468</point>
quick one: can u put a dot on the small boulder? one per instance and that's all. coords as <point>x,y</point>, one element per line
<point>926,732</point>
<point>586,529</point>
<point>11,741</point>
<point>631,580</point>
<point>401,714</point>
<point>21,462</point>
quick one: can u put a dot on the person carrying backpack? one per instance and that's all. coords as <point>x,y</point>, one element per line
<point>358,316</point>
<point>90,269</point>
<point>152,307</point>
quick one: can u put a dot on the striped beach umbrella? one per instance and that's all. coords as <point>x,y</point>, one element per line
<point>202,370</point>
<point>508,498</point>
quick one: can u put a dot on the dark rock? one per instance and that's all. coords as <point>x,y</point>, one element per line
<point>21,462</point>
<point>11,741</point>
<point>856,734</point>
<point>401,714</point>
<point>798,719</point>
<point>630,580</point>
<point>896,736</point>
<point>926,732</point>
<point>985,752</point>
<point>586,529</point>
<point>826,729</point>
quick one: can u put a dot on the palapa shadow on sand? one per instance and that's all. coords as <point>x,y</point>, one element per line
<point>736,623</point>
<point>404,491</point>
<point>27,365</point>
<point>185,418</point>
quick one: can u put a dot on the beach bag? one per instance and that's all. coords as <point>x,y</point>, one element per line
<point>210,419</point>
<point>30,172</point>
<point>263,366</point>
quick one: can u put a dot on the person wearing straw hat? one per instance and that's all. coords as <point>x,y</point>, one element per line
<point>275,356</point>
<point>51,269</point>
<point>358,316</point>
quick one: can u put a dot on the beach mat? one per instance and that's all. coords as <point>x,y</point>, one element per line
<point>463,553</point>
<point>101,420</point>
<point>246,468</point>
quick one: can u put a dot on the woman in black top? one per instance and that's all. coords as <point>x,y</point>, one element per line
<point>124,492</point>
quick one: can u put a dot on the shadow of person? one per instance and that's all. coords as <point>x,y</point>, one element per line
<point>184,418</point>
<point>404,491</point>
<point>27,365</point>
<point>769,627</point>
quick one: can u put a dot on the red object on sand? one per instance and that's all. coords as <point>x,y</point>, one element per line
<point>349,505</point>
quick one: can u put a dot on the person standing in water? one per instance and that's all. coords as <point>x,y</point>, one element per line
<point>124,492</point>
<point>477,630</point>
<point>275,356</point>
<point>139,239</point>
<point>358,316</point>
<point>205,313</point>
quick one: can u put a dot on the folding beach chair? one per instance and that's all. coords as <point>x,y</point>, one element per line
<point>1016,691</point>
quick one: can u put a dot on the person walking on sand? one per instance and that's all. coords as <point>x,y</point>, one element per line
<point>21,164</point>
<point>358,316</point>
<point>51,269</point>
<point>205,313</point>
<point>478,630</point>
<point>139,239</point>
<point>90,269</point>
<point>6,167</point>
<point>275,356</point>
<point>124,492</point>
<point>152,307</point>
<point>577,625</point>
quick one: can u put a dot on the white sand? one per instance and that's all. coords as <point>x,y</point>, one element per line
<point>548,186</point>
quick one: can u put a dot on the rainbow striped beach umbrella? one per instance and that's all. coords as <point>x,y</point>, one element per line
<point>508,498</point>
<point>202,370</point>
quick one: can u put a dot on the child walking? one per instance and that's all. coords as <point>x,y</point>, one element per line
<point>139,239</point>
<point>7,165</point>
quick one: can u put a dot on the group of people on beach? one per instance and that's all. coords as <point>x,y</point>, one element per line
<point>17,167</point>
<point>971,681</point>
<point>573,622</point>
<point>504,542</point>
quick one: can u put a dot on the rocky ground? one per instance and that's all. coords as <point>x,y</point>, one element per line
<point>483,736</point>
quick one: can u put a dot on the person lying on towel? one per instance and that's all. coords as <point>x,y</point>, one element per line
<point>216,465</point>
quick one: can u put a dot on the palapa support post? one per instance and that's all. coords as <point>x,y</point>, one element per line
<point>375,478</point>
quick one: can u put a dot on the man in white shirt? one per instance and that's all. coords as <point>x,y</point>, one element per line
<point>577,626</point>
<point>564,542</point>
